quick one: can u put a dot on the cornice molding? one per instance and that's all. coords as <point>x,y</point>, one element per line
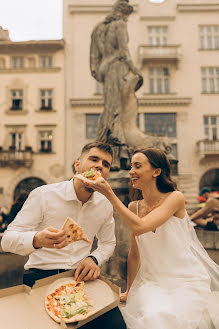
<point>77,102</point>
<point>31,46</point>
<point>160,101</point>
<point>44,125</point>
<point>9,125</point>
<point>158,18</point>
<point>197,7</point>
<point>93,8</point>
<point>31,70</point>
<point>144,101</point>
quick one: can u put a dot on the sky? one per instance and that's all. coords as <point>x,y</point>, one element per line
<point>32,19</point>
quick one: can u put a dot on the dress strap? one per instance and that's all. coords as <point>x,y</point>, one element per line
<point>137,207</point>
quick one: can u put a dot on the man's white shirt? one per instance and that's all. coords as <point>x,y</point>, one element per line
<point>49,206</point>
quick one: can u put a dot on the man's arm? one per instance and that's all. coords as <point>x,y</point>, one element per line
<point>22,236</point>
<point>201,213</point>
<point>18,238</point>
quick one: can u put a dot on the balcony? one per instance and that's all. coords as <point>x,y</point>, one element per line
<point>208,147</point>
<point>170,54</point>
<point>15,159</point>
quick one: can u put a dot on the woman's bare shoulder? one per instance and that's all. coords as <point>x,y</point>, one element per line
<point>176,196</point>
<point>133,206</point>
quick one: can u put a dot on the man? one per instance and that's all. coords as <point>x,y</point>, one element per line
<point>208,216</point>
<point>36,230</point>
<point>203,195</point>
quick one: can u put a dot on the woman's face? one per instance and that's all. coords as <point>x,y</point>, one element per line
<point>141,172</point>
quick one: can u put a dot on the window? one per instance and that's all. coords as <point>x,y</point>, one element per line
<point>159,80</point>
<point>91,125</point>
<point>45,61</point>
<point>46,99</point>
<point>174,150</point>
<point>209,36</point>
<point>45,139</point>
<point>210,80</point>
<point>31,62</point>
<point>17,62</point>
<point>211,127</point>
<point>2,63</point>
<point>16,141</point>
<point>161,124</point>
<point>17,100</point>
<point>157,35</point>
<point>99,88</point>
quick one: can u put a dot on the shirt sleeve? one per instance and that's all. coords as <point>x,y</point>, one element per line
<point>106,239</point>
<point>18,238</point>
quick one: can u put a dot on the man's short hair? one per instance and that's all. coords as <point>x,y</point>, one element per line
<point>100,145</point>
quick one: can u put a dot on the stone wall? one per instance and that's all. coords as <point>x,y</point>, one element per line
<point>11,268</point>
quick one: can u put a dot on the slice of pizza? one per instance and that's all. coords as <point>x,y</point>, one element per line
<point>74,231</point>
<point>90,175</point>
<point>68,301</point>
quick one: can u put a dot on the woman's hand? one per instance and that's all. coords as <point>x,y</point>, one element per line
<point>102,187</point>
<point>123,297</point>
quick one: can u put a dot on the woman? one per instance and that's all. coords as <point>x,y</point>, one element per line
<point>15,208</point>
<point>170,276</point>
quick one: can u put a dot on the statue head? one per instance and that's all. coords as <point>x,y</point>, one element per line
<point>120,9</point>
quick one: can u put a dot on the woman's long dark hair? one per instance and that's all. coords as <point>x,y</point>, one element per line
<point>157,159</point>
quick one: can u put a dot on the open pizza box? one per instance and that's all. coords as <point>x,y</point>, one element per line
<point>22,307</point>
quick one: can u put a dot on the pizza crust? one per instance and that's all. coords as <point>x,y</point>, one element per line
<point>85,179</point>
<point>74,231</point>
<point>75,318</point>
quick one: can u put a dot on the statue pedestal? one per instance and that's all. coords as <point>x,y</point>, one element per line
<point>116,267</point>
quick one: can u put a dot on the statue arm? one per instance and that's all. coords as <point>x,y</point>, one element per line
<point>95,57</point>
<point>122,37</point>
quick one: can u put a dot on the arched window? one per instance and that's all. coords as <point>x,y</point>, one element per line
<point>28,184</point>
<point>210,179</point>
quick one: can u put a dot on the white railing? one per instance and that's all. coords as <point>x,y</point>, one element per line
<point>169,52</point>
<point>208,147</point>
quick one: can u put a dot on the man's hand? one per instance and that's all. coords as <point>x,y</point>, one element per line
<point>50,238</point>
<point>87,270</point>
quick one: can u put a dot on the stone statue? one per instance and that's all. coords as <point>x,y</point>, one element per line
<point>111,65</point>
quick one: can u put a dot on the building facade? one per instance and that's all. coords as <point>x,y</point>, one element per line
<point>32,115</point>
<point>175,44</point>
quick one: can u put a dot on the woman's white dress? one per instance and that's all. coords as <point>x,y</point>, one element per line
<point>174,282</point>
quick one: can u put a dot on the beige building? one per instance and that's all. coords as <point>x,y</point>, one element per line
<point>50,104</point>
<point>175,44</point>
<point>32,114</point>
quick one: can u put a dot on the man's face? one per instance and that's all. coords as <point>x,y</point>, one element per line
<point>94,159</point>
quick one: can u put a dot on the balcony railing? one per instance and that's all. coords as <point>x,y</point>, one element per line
<point>158,54</point>
<point>16,159</point>
<point>208,147</point>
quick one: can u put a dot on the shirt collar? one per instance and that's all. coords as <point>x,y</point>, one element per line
<point>71,194</point>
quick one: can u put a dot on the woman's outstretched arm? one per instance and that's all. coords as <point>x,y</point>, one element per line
<point>174,202</point>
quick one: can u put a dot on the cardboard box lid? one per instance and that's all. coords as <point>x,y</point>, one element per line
<point>23,308</point>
